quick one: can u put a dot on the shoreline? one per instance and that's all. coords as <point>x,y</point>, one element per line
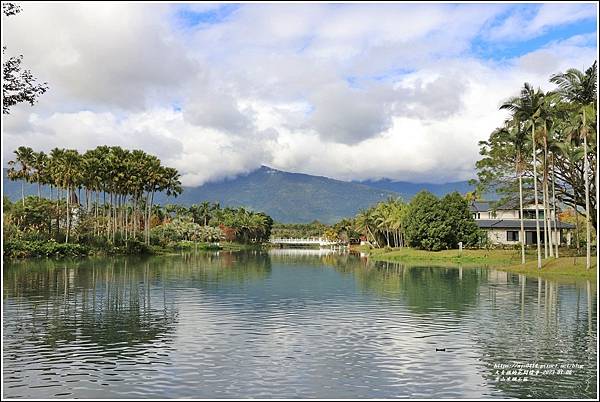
<point>503,260</point>
<point>36,250</point>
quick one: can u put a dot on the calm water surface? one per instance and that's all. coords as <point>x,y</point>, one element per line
<point>290,324</point>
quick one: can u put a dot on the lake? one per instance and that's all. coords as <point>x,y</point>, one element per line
<point>292,324</point>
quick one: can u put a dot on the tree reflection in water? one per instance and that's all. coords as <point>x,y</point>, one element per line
<point>107,302</point>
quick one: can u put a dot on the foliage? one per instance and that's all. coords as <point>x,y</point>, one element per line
<point>116,213</point>
<point>425,223</point>
<point>18,85</point>
<point>184,229</point>
<point>561,119</point>
<point>41,248</point>
<point>135,247</point>
<point>383,223</point>
<point>299,230</point>
<point>34,215</point>
<point>458,216</point>
<point>118,185</point>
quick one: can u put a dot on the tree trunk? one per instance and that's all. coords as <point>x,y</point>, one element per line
<point>576,227</point>
<point>522,234</point>
<point>544,202</point>
<point>150,214</point>
<point>545,199</point>
<point>126,211</point>
<point>535,197</point>
<point>588,258</point>
<point>23,192</point>
<point>96,216</point>
<point>556,230</point>
<point>68,214</point>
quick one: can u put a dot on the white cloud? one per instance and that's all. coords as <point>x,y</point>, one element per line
<point>528,23</point>
<point>348,91</point>
<point>199,154</point>
<point>99,54</point>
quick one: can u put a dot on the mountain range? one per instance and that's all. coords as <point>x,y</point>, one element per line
<point>287,197</point>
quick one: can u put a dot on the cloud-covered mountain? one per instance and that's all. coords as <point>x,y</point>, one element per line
<point>408,190</point>
<point>287,197</point>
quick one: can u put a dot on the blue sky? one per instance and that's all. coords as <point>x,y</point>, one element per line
<point>350,91</point>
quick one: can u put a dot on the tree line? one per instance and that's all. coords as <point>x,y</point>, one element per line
<point>426,222</point>
<point>210,222</point>
<point>105,197</point>
<point>545,152</point>
<point>118,186</point>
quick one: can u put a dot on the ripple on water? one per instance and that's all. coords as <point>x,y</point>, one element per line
<point>288,327</point>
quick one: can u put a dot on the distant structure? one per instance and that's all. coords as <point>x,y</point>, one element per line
<point>503,223</point>
<point>308,241</point>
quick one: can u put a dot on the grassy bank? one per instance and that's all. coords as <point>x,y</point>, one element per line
<point>505,260</point>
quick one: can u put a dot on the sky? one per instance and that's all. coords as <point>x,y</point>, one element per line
<point>349,91</point>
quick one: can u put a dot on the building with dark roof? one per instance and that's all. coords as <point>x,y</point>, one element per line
<point>503,223</point>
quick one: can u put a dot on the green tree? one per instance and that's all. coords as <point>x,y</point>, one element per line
<point>579,89</point>
<point>425,223</point>
<point>526,107</point>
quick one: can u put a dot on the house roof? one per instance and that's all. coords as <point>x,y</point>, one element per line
<point>479,206</point>
<point>516,224</point>
<point>484,206</point>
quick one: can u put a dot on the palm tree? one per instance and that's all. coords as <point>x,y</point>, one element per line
<point>517,137</point>
<point>25,157</point>
<point>364,222</point>
<point>202,212</point>
<point>40,164</point>
<point>579,88</point>
<point>545,120</point>
<point>71,173</point>
<point>526,108</point>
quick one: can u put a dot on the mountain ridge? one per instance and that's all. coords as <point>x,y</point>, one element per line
<point>287,197</point>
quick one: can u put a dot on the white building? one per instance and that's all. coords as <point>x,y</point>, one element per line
<point>503,224</point>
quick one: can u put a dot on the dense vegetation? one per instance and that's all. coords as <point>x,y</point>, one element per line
<point>427,223</point>
<point>118,185</point>
<point>103,200</point>
<point>546,151</point>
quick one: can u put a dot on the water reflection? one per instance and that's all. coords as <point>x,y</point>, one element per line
<point>284,323</point>
<point>106,302</point>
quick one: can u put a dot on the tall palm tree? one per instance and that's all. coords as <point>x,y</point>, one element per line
<point>71,173</point>
<point>518,138</point>
<point>579,88</point>
<point>526,108</point>
<point>39,163</point>
<point>25,158</point>
<point>364,224</point>
<point>545,120</point>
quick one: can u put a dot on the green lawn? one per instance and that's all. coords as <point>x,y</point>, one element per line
<point>506,260</point>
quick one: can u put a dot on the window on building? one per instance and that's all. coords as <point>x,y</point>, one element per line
<point>493,214</point>
<point>512,235</point>
<point>530,214</point>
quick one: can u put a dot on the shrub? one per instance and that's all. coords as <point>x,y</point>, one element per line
<point>46,248</point>
<point>136,247</point>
